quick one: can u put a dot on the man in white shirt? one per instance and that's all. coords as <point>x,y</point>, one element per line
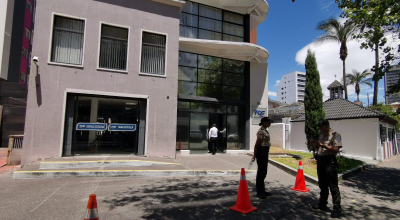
<point>213,138</point>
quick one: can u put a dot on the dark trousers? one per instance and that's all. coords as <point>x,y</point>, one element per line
<point>327,169</point>
<point>262,163</point>
<point>213,141</point>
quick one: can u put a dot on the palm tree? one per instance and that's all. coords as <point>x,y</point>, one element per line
<point>358,79</point>
<point>337,32</point>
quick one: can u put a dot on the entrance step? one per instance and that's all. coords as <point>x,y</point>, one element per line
<point>35,174</point>
<point>99,163</point>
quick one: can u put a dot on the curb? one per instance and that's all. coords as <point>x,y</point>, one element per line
<point>124,173</point>
<point>293,172</point>
<point>343,176</point>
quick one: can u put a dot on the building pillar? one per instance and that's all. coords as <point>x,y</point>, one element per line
<point>93,117</point>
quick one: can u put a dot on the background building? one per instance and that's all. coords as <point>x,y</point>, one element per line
<point>16,35</point>
<point>291,87</point>
<point>392,78</point>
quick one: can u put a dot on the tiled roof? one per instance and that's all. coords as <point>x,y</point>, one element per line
<point>335,84</point>
<point>276,102</point>
<point>294,108</point>
<point>344,109</point>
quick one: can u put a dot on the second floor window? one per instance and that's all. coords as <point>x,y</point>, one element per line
<point>113,47</point>
<point>67,44</point>
<point>153,53</point>
<point>204,22</point>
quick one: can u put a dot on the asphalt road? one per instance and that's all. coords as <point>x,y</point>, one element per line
<point>366,196</point>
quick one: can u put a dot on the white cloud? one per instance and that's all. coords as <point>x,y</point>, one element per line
<point>380,88</point>
<point>273,94</point>
<point>325,4</point>
<point>329,63</point>
<point>276,83</point>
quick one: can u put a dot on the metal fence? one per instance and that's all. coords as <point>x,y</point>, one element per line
<point>15,149</point>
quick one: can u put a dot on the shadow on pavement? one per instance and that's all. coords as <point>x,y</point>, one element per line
<point>380,182</point>
<point>207,198</point>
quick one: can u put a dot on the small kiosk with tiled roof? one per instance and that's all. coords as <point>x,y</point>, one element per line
<point>365,133</point>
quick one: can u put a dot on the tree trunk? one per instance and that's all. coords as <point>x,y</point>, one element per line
<point>344,79</point>
<point>375,100</point>
<point>358,99</point>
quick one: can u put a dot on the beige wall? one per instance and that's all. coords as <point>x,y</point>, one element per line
<point>360,137</point>
<point>277,134</point>
<point>46,102</point>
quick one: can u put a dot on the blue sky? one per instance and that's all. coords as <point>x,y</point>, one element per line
<point>290,29</point>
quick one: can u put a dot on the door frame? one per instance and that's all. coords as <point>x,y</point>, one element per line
<point>101,93</point>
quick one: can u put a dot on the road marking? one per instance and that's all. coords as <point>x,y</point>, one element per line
<point>66,171</point>
<point>102,161</point>
<point>48,197</point>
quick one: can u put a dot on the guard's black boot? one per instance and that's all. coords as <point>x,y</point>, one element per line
<point>318,206</point>
<point>335,214</point>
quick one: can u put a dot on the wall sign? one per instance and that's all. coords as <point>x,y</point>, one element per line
<point>122,127</point>
<point>258,113</point>
<point>91,127</point>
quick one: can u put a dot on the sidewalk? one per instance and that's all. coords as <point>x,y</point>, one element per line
<point>135,166</point>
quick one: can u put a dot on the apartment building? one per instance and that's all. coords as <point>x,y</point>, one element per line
<point>144,77</point>
<point>392,78</point>
<point>291,87</point>
<point>16,35</point>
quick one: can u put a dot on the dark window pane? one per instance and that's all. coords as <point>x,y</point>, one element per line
<point>212,108</point>
<point>189,20</point>
<point>233,29</point>
<point>187,74</point>
<point>235,132</point>
<point>210,24</point>
<point>153,53</point>
<point>209,35</point>
<point>187,59</point>
<point>208,76</point>
<point>210,12</point>
<point>189,32</point>
<point>183,106</point>
<point>182,132</point>
<point>233,79</point>
<point>113,48</point>
<point>191,8</point>
<point>232,93</point>
<point>187,88</point>
<point>211,63</point>
<point>233,66</point>
<point>233,109</point>
<point>234,18</point>
<point>209,90</point>
<point>232,38</point>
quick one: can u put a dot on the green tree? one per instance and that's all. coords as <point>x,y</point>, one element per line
<point>388,110</point>
<point>376,19</point>
<point>356,78</point>
<point>313,102</point>
<point>340,33</point>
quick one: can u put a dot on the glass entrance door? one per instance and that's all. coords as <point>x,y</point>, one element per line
<point>198,133</point>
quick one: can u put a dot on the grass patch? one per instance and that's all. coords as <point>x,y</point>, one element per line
<point>309,164</point>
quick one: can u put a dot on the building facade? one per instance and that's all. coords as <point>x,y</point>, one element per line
<point>291,87</point>
<point>392,78</point>
<point>143,77</point>
<point>17,30</point>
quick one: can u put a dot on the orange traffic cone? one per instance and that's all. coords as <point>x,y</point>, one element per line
<point>300,184</point>
<point>92,211</point>
<point>179,146</point>
<point>243,204</point>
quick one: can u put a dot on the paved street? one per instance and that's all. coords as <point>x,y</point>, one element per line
<point>370,195</point>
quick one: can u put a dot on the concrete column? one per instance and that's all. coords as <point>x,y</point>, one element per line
<point>93,117</point>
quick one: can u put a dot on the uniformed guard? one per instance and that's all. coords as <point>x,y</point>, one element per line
<point>327,146</point>
<point>261,151</point>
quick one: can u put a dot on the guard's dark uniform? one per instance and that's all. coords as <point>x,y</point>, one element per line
<point>327,169</point>
<point>262,159</point>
